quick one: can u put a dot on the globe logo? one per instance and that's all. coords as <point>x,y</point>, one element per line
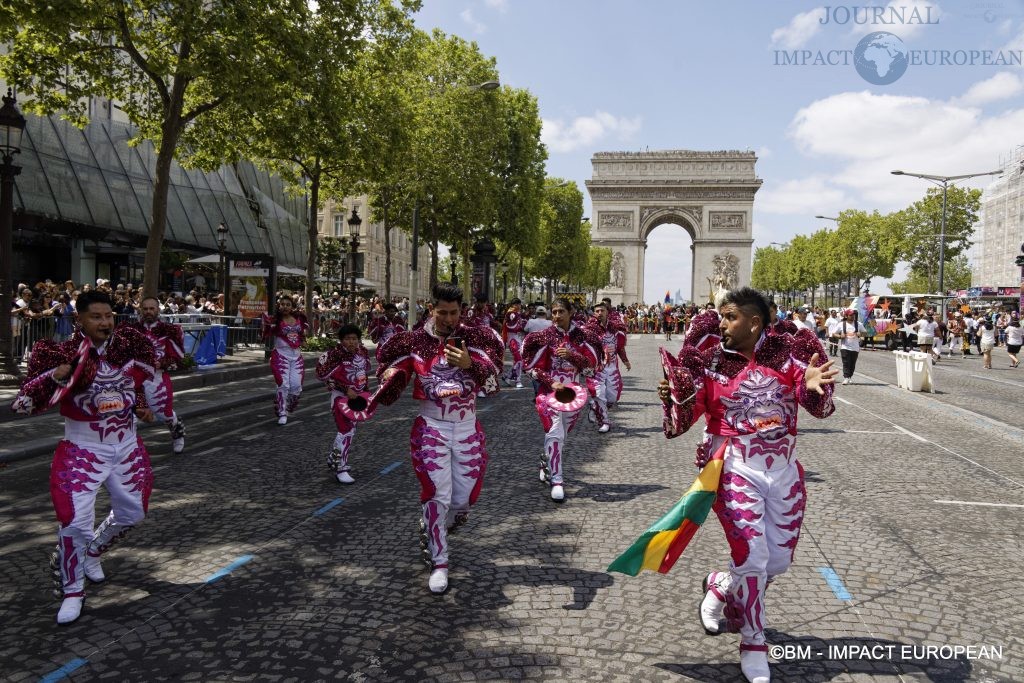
<point>880,58</point>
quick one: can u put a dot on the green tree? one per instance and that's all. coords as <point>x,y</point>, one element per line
<point>920,225</point>
<point>957,275</point>
<point>167,65</point>
<point>563,242</point>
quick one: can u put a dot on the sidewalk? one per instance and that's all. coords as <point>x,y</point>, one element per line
<point>241,379</point>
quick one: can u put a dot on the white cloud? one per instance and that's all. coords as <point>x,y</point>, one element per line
<point>474,24</point>
<point>500,5</point>
<point>1002,86</point>
<point>800,29</point>
<point>1005,26</point>
<point>804,197</point>
<point>764,152</point>
<point>584,131</point>
<point>870,135</point>
<point>926,10</point>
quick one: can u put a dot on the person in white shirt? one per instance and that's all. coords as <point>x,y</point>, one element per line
<point>849,330</point>
<point>986,340</point>
<point>539,322</point>
<point>830,327</point>
<point>1014,339</point>
<point>927,329</point>
<point>803,318</point>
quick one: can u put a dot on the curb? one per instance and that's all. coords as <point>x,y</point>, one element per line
<point>46,445</point>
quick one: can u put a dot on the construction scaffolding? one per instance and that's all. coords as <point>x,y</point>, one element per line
<point>1001,228</point>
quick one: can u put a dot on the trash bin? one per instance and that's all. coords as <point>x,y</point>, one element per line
<point>920,372</point>
<point>902,369</point>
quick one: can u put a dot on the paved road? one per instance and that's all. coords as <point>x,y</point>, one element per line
<point>326,582</point>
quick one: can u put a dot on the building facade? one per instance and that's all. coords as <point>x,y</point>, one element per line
<point>1000,230</point>
<point>332,222</point>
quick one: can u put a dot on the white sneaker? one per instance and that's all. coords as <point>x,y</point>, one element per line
<point>557,492</point>
<point>283,420</point>
<point>70,610</point>
<point>519,385</point>
<point>438,582</point>
<point>754,665</point>
<point>345,478</point>
<point>543,475</point>
<point>93,569</point>
<point>604,428</point>
<point>711,610</point>
<point>846,380</point>
<point>178,445</point>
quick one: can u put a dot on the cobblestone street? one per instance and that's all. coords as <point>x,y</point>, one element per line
<point>255,564</point>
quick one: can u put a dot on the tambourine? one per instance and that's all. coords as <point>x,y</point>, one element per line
<point>78,364</point>
<point>359,408</point>
<point>679,382</point>
<point>570,398</point>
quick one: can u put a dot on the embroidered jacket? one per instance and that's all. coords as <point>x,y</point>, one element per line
<point>167,339</point>
<point>546,367</point>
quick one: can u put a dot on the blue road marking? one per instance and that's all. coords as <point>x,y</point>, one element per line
<point>64,670</point>
<point>393,466</point>
<point>835,583</point>
<point>333,504</point>
<point>221,573</point>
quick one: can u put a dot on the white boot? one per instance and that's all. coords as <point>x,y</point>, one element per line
<point>93,569</point>
<point>557,493</point>
<point>70,610</point>
<point>283,420</point>
<point>604,428</point>
<point>345,478</point>
<point>438,582</point>
<point>712,608</point>
<point>178,437</point>
<point>754,665</point>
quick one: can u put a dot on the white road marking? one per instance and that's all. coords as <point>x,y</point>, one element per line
<point>968,502</point>
<point>162,467</point>
<point>841,400</point>
<point>1001,381</point>
<point>209,450</point>
<point>910,433</point>
<point>252,437</point>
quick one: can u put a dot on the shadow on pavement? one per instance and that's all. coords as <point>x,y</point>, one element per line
<point>616,493</point>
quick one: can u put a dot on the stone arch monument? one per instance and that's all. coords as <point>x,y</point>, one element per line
<point>709,194</point>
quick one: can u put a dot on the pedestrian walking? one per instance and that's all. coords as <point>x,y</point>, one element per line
<point>288,329</point>
<point>849,343</point>
<point>1014,339</point>
<point>986,341</point>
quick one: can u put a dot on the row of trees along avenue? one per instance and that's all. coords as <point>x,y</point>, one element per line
<point>866,245</point>
<point>338,97</point>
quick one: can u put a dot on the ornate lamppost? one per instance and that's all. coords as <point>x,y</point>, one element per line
<point>12,125</point>
<point>354,221</point>
<point>225,282</point>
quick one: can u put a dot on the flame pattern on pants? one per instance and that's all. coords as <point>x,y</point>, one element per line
<point>160,397</point>
<point>346,432</point>
<point>450,459</point>
<point>76,475</point>
<point>289,372</point>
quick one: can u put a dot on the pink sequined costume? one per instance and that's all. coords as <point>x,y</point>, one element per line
<point>286,359</point>
<point>546,367</point>
<point>607,381</point>
<point>750,408</point>
<point>169,348</point>
<point>514,331</point>
<point>100,445</point>
<point>341,370</point>
<point>383,328</point>
<point>447,444</point>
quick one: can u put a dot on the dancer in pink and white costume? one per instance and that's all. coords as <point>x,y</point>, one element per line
<point>96,377</point>
<point>562,353</point>
<point>514,331</point>
<point>383,327</point>
<point>607,379</point>
<point>169,347</point>
<point>448,363</point>
<point>748,388</point>
<point>344,369</point>
<point>288,329</point>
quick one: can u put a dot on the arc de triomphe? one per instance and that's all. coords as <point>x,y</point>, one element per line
<point>709,194</point>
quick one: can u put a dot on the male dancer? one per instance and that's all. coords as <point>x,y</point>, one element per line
<point>288,329</point>
<point>96,377</point>
<point>607,379</point>
<point>169,347</point>
<point>384,327</point>
<point>561,353</point>
<point>514,331</point>
<point>749,386</point>
<point>448,363</point>
<point>344,370</point>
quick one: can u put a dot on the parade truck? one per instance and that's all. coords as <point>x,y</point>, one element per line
<point>883,316</point>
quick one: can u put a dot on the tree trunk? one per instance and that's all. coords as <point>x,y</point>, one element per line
<point>314,201</point>
<point>467,271</point>
<point>433,256</point>
<point>161,185</point>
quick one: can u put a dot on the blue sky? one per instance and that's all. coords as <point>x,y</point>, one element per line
<point>673,74</point>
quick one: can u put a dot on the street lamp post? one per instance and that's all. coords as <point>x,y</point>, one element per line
<point>12,125</point>
<point>354,221</point>
<point>943,181</point>
<point>225,284</point>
